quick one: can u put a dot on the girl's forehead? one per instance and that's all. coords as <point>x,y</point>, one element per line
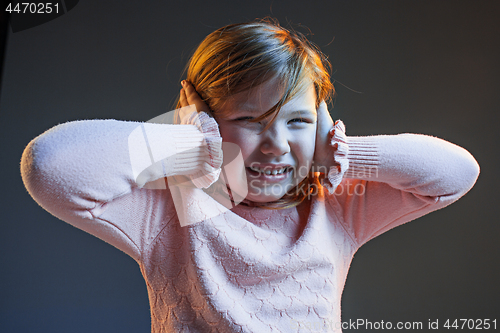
<point>268,94</point>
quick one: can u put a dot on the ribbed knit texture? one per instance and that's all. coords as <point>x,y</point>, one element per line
<point>248,269</point>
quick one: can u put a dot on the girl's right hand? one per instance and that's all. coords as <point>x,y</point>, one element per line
<point>190,96</point>
<point>233,165</point>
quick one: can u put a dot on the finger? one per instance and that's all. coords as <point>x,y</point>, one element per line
<point>183,99</point>
<point>325,121</point>
<point>322,153</point>
<point>192,97</point>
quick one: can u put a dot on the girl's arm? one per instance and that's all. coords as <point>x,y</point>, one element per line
<point>91,173</point>
<point>393,179</point>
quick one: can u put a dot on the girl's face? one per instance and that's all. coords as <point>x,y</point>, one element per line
<point>279,158</point>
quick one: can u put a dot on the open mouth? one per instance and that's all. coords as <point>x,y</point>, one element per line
<point>269,172</point>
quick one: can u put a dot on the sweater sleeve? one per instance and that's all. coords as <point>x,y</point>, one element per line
<point>97,175</point>
<point>393,179</point>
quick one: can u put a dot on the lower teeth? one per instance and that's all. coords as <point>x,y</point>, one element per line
<point>269,174</point>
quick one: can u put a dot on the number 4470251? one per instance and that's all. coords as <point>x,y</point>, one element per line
<point>33,8</point>
<point>471,324</point>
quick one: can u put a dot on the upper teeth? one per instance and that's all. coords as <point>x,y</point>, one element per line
<point>270,172</point>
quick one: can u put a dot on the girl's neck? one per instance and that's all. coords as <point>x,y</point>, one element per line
<point>293,218</point>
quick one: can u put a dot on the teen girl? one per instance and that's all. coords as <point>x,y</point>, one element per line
<point>276,262</point>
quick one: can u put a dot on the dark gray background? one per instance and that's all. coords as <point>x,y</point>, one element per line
<point>427,67</point>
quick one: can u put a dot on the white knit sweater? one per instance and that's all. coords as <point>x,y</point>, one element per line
<point>247,269</point>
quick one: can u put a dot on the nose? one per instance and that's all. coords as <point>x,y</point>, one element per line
<point>275,141</point>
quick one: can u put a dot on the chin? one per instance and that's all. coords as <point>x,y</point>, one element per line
<point>263,198</point>
<point>267,194</point>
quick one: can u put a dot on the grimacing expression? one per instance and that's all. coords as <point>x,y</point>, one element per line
<point>279,158</point>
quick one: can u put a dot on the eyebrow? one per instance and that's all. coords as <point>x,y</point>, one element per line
<point>301,112</point>
<point>291,113</point>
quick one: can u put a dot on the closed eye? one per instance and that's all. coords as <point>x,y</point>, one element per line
<point>243,119</point>
<point>300,120</point>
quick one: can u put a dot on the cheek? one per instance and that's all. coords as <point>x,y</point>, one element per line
<point>237,136</point>
<point>228,133</point>
<point>305,147</point>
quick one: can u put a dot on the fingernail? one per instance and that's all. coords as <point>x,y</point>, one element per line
<point>183,83</point>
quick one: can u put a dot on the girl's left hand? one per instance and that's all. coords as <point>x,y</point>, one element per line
<point>323,157</point>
